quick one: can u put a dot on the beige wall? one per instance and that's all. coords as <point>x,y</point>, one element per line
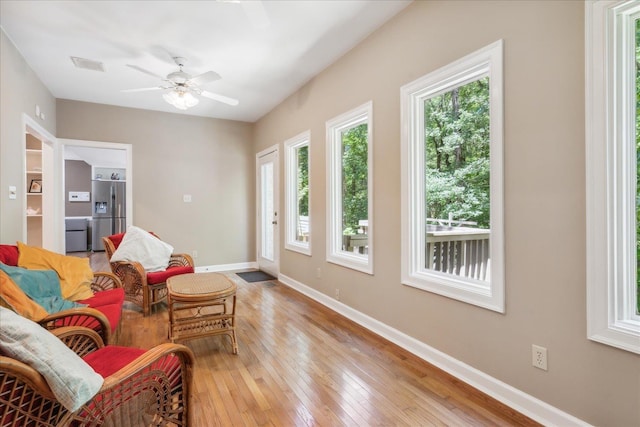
<point>544,199</point>
<point>77,177</point>
<point>20,91</point>
<point>173,155</point>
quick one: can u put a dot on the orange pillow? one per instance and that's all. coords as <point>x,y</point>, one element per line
<point>18,301</point>
<point>75,273</point>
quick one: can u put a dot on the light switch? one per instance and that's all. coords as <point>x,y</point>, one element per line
<point>12,192</point>
<point>186,198</point>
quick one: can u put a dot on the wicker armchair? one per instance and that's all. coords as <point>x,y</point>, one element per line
<point>88,317</point>
<point>143,288</point>
<point>153,388</point>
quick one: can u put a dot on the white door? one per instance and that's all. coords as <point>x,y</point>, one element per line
<point>268,220</point>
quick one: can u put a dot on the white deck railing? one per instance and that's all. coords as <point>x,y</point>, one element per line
<point>461,251</point>
<point>302,232</point>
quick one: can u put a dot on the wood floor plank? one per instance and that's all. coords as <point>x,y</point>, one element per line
<point>301,364</point>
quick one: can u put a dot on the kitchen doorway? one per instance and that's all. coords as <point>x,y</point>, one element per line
<point>89,170</point>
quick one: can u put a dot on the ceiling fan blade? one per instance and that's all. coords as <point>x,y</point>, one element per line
<point>142,70</point>
<point>203,78</point>
<point>221,98</point>
<point>143,89</point>
<point>256,13</point>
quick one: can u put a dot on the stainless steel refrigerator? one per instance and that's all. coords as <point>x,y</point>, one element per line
<point>109,213</point>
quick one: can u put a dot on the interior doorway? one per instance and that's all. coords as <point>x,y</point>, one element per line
<point>88,167</point>
<point>267,205</point>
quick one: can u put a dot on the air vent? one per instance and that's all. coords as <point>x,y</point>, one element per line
<point>87,64</point>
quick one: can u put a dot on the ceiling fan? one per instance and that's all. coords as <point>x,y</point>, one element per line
<point>182,87</point>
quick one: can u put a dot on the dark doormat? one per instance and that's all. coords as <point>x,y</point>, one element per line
<point>255,276</point>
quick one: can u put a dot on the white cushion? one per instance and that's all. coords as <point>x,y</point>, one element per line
<point>141,246</point>
<point>71,379</point>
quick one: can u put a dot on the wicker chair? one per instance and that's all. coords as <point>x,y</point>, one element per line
<point>152,389</point>
<point>85,316</point>
<point>142,288</point>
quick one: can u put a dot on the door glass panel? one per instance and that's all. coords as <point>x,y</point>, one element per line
<point>266,179</point>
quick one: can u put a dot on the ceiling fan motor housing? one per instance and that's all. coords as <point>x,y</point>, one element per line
<point>179,76</point>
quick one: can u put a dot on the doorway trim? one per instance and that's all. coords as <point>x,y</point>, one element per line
<point>270,266</point>
<point>128,148</point>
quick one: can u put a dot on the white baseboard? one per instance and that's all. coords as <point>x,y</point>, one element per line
<point>226,267</point>
<point>522,402</point>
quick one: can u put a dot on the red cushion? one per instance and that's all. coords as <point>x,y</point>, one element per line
<point>109,303</point>
<point>9,254</point>
<point>110,359</point>
<point>110,296</point>
<point>113,312</point>
<point>116,239</point>
<point>156,277</point>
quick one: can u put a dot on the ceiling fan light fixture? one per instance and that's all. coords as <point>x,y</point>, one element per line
<point>181,100</point>
<point>183,89</point>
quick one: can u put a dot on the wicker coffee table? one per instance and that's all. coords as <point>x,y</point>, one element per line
<point>201,304</point>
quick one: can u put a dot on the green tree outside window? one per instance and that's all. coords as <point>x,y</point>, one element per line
<point>355,198</point>
<point>303,181</point>
<point>457,144</point>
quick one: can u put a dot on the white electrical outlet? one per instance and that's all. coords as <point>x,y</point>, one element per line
<point>539,357</point>
<point>338,294</point>
<point>194,254</point>
<point>318,273</point>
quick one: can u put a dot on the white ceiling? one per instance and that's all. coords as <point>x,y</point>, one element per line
<point>261,61</point>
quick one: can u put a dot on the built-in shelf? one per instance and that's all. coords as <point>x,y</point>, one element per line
<point>33,156</point>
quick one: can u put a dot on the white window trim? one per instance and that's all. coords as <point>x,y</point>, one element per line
<point>610,175</point>
<point>335,128</point>
<point>291,147</point>
<point>484,62</point>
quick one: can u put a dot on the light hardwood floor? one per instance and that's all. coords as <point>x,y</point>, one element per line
<point>301,364</point>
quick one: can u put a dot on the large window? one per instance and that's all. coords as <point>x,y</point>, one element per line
<point>612,99</point>
<point>452,181</point>
<point>350,189</point>
<point>298,224</point>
